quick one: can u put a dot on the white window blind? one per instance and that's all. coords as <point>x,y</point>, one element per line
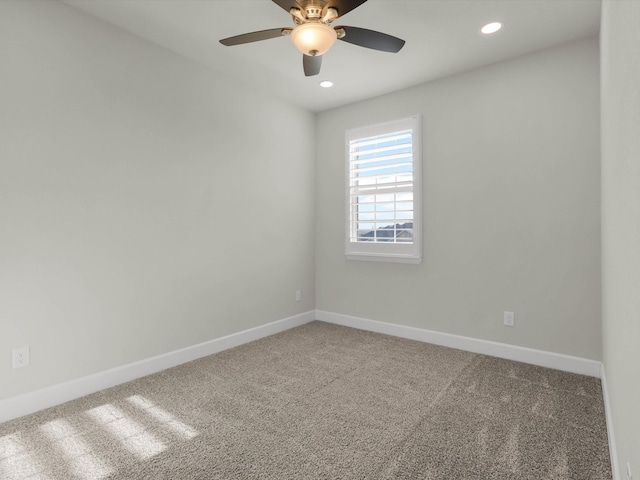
<point>383,171</point>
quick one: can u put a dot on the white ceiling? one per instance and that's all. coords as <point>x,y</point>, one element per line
<point>442,38</point>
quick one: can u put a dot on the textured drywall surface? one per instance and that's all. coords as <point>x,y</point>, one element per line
<point>511,211</point>
<point>145,204</point>
<point>620,51</point>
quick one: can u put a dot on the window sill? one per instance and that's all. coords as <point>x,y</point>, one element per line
<point>366,257</point>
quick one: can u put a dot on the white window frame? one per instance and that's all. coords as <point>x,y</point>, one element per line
<point>386,251</point>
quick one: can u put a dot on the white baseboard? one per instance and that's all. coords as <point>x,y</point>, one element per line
<point>615,468</point>
<point>541,358</point>
<point>31,402</point>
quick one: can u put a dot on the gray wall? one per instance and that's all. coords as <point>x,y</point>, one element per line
<point>620,53</point>
<point>146,204</point>
<point>511,180</point>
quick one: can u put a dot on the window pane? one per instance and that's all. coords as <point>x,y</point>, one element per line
<point>382,161</point>
<point>405,216</point>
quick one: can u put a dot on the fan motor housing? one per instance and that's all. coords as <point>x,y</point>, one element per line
<point>313,11</point>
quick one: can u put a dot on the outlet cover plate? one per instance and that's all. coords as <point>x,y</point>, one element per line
<point>509,319</point>
<point>20,357</point>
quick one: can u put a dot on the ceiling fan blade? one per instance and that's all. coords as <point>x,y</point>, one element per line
<point>342,6</point>
<point>255,36</point>
<point>311,65</point>
<point>288,5</point>
<point>371,39</point>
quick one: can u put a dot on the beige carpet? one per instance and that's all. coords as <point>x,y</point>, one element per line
<point>323,401</point>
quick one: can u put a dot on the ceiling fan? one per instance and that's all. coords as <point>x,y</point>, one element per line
<point>313,34</point>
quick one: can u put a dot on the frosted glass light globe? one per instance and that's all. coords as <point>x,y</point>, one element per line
<point>313,38</point>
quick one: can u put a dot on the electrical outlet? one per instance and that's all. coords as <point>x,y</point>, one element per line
<point>509,319</point>
<point>21,357</point>
<point>629,471</point>
<point>298,295</point>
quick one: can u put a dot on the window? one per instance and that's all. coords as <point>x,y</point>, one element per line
<point>383,192</point>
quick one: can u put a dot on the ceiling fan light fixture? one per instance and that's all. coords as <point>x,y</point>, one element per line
<point>313,38</point>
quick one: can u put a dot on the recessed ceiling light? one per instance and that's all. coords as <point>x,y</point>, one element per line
<point>326,84</point>
<point>490,28</point>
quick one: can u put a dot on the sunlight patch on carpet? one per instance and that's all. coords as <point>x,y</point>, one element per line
<point>165,418</point>
<point>15,460</point>
<point>84,462</point>
<point>130,433</point>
